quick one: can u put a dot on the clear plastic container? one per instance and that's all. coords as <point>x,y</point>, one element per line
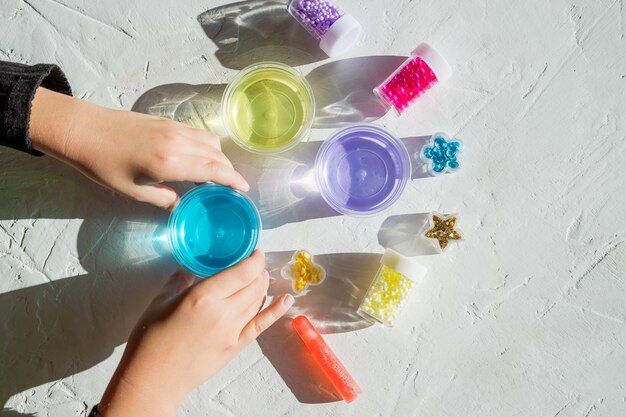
<point>303,271</point>
<point>391,287</point>
<point>421,234</point>
<point>362,169</point>
<point>268,108</point>
<point>441,154</point>
<point>424,69</point>
<point>439,232</point>
<point>335,30</point>
<point>213,228</point>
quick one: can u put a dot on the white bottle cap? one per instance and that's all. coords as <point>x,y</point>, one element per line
<point>407,267</point>
<point>434,60</point>
<point>340,35</point>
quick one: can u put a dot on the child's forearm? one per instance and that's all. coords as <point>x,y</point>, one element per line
<point>53,119</point>
<point>18,86</point>
<point>123,399</point>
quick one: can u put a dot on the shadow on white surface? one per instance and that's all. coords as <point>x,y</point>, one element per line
<point>54,330</point>
<point>195,105</point>
<point>404,234</point>
<point>343,89</point>
<point>282,186</point>
<point>331,307</point>
<point>414,145</point>
<point>247,32</point>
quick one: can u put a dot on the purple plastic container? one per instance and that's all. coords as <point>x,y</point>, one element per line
<point>362,169</point>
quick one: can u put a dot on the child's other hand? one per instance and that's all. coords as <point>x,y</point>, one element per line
<point>187,334</point>
<point>126,151</point>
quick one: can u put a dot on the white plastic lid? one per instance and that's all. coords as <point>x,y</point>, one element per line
<point>340,35</point>
<point>407,267</point>
<point>435,61</point>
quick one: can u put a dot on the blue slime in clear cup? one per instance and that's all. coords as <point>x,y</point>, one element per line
<point>213,228</point>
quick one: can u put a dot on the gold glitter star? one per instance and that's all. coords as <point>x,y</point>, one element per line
<point>443,230</point>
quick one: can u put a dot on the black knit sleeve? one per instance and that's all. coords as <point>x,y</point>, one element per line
<point>94,412</point>
<point>18,84</point>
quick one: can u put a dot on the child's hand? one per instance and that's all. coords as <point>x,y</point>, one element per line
<point>187,334</point>
<point>126,151</point>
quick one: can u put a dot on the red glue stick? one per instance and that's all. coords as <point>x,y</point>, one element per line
<point>326,359</point>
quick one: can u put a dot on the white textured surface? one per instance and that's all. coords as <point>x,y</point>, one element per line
<point>526,318</point>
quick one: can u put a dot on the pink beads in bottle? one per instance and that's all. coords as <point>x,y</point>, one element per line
<point>425,68</point>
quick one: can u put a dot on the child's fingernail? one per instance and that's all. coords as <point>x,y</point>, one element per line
<point>288,301</point>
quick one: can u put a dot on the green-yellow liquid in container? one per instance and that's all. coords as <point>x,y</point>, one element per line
<point>269,109</point>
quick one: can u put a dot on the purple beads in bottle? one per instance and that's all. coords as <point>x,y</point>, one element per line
<point>316,16</point>
<point>335,30</point>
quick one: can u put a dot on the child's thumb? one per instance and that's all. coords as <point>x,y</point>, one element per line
<point>156,194</point>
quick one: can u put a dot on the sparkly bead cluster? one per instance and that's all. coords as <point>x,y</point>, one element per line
<point>386,295</point>
<point>304,271</point>
<point>443,154</point>
<point>316,15</point>
<point>410,82</point>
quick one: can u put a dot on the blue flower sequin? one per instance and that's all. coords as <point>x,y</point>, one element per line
<point>442,154</point>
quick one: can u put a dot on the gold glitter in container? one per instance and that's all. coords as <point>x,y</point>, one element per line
<point>442,229</point>
<point>303,271</point>
<point>389,291</point>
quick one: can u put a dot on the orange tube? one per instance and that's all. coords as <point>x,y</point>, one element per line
<point>326,359</point>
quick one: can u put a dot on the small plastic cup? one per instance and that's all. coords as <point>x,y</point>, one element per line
<point>213,228</point>
<point>303,271</point>
<point>442,154</point>
<point>268,108</point>
<point>362,170</point>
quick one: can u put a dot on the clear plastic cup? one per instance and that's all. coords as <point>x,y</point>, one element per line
<point>213,228</point>
<point>362,169</point>
<point>268,108</point>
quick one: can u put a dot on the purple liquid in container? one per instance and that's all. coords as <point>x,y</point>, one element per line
<point>362,169</point>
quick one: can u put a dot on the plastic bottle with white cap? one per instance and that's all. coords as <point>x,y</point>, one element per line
<point>335,30</point>
<point>424,69</point>
<point>391,287</point>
